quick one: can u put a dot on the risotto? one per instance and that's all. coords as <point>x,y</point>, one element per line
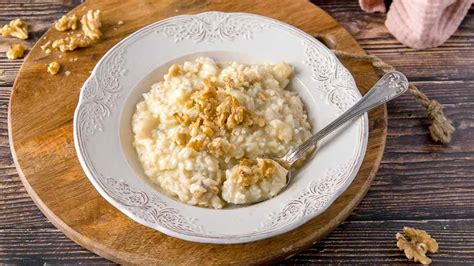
<point>202,132</point>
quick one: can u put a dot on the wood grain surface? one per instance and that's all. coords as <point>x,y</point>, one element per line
<point>420,183</point>
<point>40,130</point>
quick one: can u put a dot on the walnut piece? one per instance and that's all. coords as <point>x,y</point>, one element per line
<point>418,244</point>
<point>181,138</point>
<point>219,147</point>
<point>196,144</point>
<point>15,51</point>
<point>173,71</point>
<point>240,81</point>
<point>91,24</point>
<point>183,119</point>
<point>66,23</point>
<point>46,47</point>
<point>16,28</point>
<point>70,43</point>
<point>252,171</point>
<point>207,131</point>
<point>212,109</point>
<point>53,68</point>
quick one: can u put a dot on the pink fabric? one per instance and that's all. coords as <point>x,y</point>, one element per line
<point>372,5</point>
<point>421,23</point>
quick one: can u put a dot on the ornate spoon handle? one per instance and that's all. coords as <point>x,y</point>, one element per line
<point>389,87</point>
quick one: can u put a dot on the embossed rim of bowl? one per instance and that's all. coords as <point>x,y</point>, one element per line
<point>143,204</point>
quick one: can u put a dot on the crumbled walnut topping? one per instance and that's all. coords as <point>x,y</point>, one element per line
<point>207,131</point>
<point>16,28</point>
<point>246,177</point>
<point>211,125</point>
<point>46,47</point>
<point>183,119</point>
<point>240,81</point>
<point>181,138</point>
<point>91,24</point>
<point>252,171</point>
<point>196,144</point>
<point>173,71</point>
<point>218,147</point>
<point>230,112</point>
<point>15,51</point>
<point>420,242</point>
<point>66,23</point>
<point>213,109</point>
<point>70,43</point>
<point>189,104</point>
<point>195,127</point>
<point>267,167</point>
<point>53,68</point>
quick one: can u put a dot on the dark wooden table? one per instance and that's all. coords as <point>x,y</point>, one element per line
<point>420,183</point>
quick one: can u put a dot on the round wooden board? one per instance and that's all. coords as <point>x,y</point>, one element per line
<point>40,128</point>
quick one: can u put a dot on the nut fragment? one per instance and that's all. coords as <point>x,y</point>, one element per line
<point>53,68</point>
<point>91,24</point>
<point>46,47</point>
<point>15,51</point>
<point>173,71</point>
<point>420,242</point>
<point>70,43</point>
<point>218,147</point>
<point>207,131</point>
<point>196,144</point>
<point>266,167</point>
<point>252,171</point>
<point>16,28</point>
<point>231,113</point>
<point>181,138</point>
<point>181,118</point>
<point>66,23</point>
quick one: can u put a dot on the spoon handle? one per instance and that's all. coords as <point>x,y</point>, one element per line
<point>390,86</point>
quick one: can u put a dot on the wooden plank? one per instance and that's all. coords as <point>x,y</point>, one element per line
<point>371,224</point>
<point>40,119</point>
<point>374,242</point>
<point>447,61</point>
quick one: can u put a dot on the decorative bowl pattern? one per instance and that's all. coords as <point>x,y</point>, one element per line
<point>103,138</point>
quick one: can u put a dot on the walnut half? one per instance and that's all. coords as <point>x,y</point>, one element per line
<point>16,28</point>
<point>66,23</point>
<point>15,51</point>
<point>418,244</point>
<point>91,24</point>
<point>70,43</point>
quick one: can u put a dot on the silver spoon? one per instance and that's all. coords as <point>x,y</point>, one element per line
<point>389,87</point>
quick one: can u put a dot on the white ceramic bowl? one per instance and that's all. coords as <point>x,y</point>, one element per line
<point>103,135</point>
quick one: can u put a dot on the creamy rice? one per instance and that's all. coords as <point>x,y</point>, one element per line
<point>195,127</point>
